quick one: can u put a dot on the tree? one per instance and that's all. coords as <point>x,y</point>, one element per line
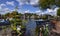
<point>35,16</point>
<point>7,15</point>
<point>0,16</point>
<point>16,21</point>
<point>28,15</point>
<point>58,12</point>
<point>44,4</point>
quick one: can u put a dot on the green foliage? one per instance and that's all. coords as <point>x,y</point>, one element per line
<point>14,13</point>
<point>15,20</point>
<point>28,15</point>
<point>58,3</point>
<point>58,12</point>
<point>25,21</point>
<point>48,3</point>
<point>46,31</point>
<point>37,30</point>
<point>43,3</point>
<point>44,17</point>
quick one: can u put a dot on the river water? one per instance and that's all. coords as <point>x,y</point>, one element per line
<point>30,28</point>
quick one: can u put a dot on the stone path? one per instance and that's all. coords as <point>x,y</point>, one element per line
<point>56,32</point>
<point>5,33</point>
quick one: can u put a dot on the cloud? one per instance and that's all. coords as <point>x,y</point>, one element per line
<point>22,2</point>
<point>27,11</point>
<point>56,9</point>
<point>1,7</point>
<point>52,12</point>
<point>10,3</point>
<point>31,2</point>
<point>49,10</point>
<point>38,11</point>
<point>4,10</point>
<point>2,4</point>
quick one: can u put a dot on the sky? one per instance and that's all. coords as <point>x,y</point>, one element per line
<point>24,6</point>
